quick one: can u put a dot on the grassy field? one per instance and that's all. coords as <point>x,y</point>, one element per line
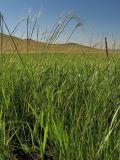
<point>59,107</point>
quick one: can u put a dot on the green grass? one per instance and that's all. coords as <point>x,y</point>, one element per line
<point>65,107</point>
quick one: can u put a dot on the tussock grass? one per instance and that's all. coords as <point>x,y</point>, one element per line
<point>67,109</point>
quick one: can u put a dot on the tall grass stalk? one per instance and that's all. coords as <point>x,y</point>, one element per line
<point>15,47</point>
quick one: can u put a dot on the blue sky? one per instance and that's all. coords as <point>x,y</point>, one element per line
<point>101,17</point>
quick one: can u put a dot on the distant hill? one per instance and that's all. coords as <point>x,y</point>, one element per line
<point>39,47</point>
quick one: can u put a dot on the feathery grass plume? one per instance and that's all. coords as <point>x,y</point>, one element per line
<point>76,27</point>
<point>58,28</point>
<point>35,18</point>
<point>31,25</point>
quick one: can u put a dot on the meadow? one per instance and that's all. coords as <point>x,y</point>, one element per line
<point>59,107</point>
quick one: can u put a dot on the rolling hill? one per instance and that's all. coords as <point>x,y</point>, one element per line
<point>39,47</point>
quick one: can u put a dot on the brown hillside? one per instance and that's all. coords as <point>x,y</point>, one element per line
<point>39,47</point>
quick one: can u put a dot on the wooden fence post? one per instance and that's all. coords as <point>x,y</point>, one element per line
<point>1,32</point>
<point>106,47</point>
